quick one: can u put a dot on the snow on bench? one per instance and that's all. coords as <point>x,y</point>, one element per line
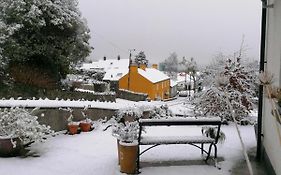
<point>181,121</point>
<point>192,140</point>
<point>151,140</point>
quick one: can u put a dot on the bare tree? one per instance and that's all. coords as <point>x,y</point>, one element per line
<point>189,66</point>
<point>170,65</point>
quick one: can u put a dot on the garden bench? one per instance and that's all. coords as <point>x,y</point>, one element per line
<point>197,141</point>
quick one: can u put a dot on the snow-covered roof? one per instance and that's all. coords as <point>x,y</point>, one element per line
<point>107,64</point>
<point>153,75</point>
<point>115,74</point>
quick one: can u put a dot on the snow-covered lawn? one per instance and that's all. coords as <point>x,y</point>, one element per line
<point>95,153</point>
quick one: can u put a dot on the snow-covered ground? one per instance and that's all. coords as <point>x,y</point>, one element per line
<point>96,153</point>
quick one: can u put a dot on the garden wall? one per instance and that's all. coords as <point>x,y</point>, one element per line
<point>57,118</point>
<point>132,96</point>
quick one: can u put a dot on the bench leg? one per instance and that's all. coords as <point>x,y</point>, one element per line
<point>209,152</point>
<point>216,149</point>
<point>202,148</point>
<point>215,156</point>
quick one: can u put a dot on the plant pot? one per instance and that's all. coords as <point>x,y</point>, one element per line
<point>118,151</point>
<point>128,156</point>
<point>7,149</point>
<point>85,127</point>
<point>72,129</point>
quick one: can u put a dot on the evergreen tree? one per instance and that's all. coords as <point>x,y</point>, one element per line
<point>49,35</point>
<point>141,58</point>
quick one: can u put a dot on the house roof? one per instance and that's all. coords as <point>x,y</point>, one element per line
<point>115,74</point>
<point>153,75</point>
<point>107,64</point>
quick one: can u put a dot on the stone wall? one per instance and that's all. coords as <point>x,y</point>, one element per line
<point>57,118</point>
<point>103,96</point>
<point>132,96</point>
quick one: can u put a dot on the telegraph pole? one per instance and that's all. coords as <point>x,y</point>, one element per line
<point>130,62</point>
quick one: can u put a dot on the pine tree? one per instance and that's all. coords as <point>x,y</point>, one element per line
<point>141,58</point>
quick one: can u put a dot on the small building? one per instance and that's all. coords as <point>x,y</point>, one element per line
<point>184,81</point>
<point>150,81</point>
<point>113,76</point>
<point>173,88</point>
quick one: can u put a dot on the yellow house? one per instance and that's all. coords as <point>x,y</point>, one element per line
<point>150,81</point>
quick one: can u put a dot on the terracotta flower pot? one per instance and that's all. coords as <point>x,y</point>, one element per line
<point>7,149</point>
<point>128,156</point>
<point>85,127</point>
<point>72,129</point>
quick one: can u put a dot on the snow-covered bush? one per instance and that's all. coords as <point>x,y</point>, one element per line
<point>127,132</point>
<point>19,123</point>
<point>234,84</point>
<point>161,112</point>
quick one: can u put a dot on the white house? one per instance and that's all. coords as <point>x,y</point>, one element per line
<point>184,80</point>
<point>173,88</point>
<point>106,64</point>
<point>269,135</point>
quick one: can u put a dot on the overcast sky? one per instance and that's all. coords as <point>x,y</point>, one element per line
<point>191,28</point>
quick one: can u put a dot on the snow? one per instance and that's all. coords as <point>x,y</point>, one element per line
<point>108,64</point>
<point>96,153</point>
<point>115,74</point>
<point>152,140</point>
<point>173,83</point>
<point>179,119</point>
<point>46,103</point>
<point>183,77</point>
<point>153,75</point>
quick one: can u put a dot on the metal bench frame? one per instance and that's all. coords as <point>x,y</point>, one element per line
<point>171,122</point>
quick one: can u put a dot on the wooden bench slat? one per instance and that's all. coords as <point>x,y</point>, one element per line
<point>153,140</point>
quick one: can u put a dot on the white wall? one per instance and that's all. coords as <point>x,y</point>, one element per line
<point>271,141</point>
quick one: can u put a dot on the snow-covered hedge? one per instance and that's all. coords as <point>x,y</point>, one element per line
<point>19,123</point>
<point>161,112</point>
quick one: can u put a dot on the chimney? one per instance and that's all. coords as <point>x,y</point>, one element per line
<point>142,66</point>
<point>133,68</point>
<point>118,57</point>
<point>104,58</point>
<point>155,66</point>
